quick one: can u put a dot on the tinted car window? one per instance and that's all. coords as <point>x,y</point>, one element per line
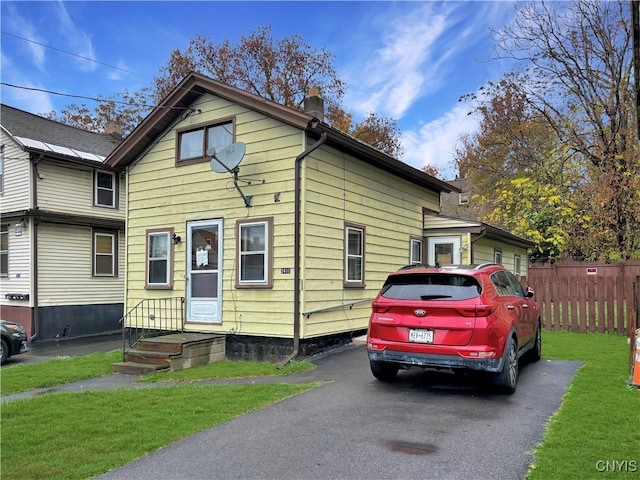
<point>501,283</point>
<point>515,284</point>
<point>431,287</point>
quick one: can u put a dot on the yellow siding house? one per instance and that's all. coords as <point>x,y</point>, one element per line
<point>275,229</point>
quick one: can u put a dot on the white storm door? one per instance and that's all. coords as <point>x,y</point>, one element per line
<point>444,250</point>
<point>204,271</point>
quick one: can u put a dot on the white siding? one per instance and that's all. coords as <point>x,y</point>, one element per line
<point>16,191</point>
<point>70,190</point>
<point>19,280</point>
<point>65,268</point>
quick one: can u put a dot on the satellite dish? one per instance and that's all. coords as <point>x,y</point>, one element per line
<point>226,159</point>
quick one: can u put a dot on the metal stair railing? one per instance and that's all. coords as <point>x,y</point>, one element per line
<point>151,317</point>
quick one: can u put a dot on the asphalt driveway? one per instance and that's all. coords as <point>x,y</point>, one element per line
<point>422,426</point>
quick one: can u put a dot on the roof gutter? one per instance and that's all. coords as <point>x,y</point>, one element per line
<point>313,124</point>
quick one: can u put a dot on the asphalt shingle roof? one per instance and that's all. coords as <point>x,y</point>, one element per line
<point>27,125</point>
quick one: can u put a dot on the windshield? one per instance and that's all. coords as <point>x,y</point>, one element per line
<point>431,286</point>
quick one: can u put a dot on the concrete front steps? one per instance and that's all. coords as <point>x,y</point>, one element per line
<point>176,351</point>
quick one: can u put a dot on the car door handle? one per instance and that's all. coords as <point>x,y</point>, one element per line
<point>511,307</point>
<point>525,305</point>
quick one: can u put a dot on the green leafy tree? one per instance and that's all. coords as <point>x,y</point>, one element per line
<point>578,61</point>
<point>521,177</point>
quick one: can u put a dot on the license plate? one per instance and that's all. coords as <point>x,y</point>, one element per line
<point>420,335</point>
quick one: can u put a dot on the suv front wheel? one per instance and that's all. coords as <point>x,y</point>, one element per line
<point>507,379</point>
<point>383,371</point>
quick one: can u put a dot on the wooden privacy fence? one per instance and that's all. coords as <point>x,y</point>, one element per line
<point>588,297</point>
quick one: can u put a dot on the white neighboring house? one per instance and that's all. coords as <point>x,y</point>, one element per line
<point>62,220</point>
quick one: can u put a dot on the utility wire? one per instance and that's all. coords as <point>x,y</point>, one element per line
<point>103,100</point>
<point>71,53</point>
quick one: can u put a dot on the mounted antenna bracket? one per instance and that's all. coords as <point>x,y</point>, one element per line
<point>228,159</point>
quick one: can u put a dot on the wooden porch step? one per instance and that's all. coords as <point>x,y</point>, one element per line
<point>152,357</point>
<point>136,368</point>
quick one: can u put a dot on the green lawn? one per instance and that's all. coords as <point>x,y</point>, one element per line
<point>594,435</point>
<point>596,432</point>
<point>76,436</point>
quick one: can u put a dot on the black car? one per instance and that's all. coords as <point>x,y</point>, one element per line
<point>14,340</point>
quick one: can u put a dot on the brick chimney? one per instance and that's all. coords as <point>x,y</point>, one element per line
<point>113,128</point>
<point>314,105</point>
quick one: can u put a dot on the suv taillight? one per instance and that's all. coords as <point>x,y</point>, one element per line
<point>476,310</point>
<point>375,308</point>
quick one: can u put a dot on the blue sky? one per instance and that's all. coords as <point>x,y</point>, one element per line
<point>407,60</point>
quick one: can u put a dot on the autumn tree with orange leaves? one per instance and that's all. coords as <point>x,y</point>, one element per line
<point>283,71</point>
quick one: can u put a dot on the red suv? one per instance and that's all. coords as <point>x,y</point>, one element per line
<point>475,317</point>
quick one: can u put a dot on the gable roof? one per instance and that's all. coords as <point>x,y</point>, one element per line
<point>40,135</point>
<point>195,85</point>
<point>484,229</point>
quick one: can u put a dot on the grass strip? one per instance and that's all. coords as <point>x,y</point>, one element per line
<point>77,436</point>
<point>228,369</point>
<point>596,432</point>
<point>60,370</point>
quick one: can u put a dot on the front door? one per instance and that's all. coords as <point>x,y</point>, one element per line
<point>204,271</point>
<point>444,250</point>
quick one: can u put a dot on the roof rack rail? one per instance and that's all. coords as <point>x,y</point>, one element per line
<point>485,265</point>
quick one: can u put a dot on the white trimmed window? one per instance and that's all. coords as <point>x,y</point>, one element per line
<point>4,250</point>
<point>254,249</point>
<point>105,257</point>
<point>159,269</point>
<point>497,256</point>
<point>517,265</point>
<point>354,236</point>
<point>416,251</point>
<point>105,189</point>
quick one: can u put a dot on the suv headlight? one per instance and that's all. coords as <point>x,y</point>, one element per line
<point>15,328</point>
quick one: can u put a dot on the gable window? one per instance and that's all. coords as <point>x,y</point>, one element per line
<point>416,251</point>
<point>4,250</point>
<point>497,256</point>
<point>354,236</point>
<point>104,189</point>
<point>194,144</point>
<point>105,256</point>
<point>159,253</point>
<point>255,253</point>
<point>463,198</point>
<point>517,265</point>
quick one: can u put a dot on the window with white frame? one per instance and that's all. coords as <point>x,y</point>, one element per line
<point>255,253</point>
<point>416,251</point>
<point>4,250</point>
<point>517,265</point>
<point>159,253</point>
<point>105,189</point>
<point>105,256</point>
<point>354,242</point>
<point>193,144</point>
<point>1,168</point>
<point>497,256</point>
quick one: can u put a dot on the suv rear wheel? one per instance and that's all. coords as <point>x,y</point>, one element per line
<point>383,371</point>
<point>535,353</point>
<point>506,380</point>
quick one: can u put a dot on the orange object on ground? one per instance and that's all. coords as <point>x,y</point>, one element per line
<point>635,379</point>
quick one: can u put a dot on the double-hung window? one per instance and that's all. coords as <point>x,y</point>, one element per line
<point>416,251</point>
<point>105,253</point>
<point>195,143</point>
<point>105,189</point>
<point>354,241</point>
<point>255,253</point>
<point>4,250</point>
<point>159,259</point>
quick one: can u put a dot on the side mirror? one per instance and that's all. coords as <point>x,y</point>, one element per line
<point>530,293</point>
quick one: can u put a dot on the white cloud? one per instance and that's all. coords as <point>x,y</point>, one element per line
<point>19,25</point>
<point>78,41</point>
<point>434,143</point>
<point>394,75</point>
